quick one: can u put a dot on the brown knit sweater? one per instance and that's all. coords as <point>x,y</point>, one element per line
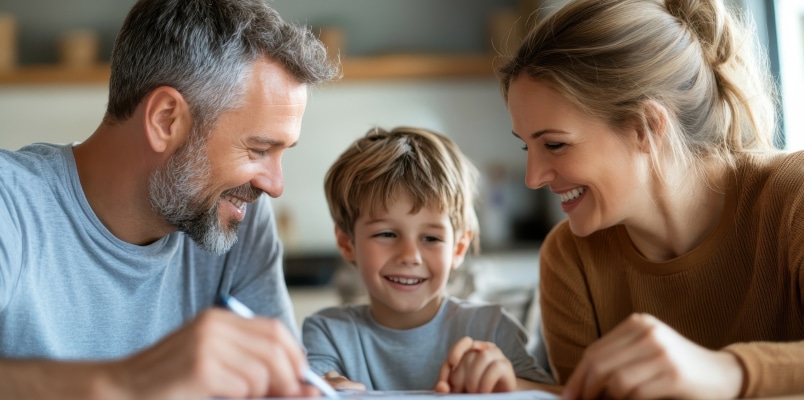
<point>741,290</point>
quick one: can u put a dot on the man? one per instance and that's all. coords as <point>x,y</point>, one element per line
<point>112,252</point>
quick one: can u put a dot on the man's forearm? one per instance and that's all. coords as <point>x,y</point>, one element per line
<point>37,379</point>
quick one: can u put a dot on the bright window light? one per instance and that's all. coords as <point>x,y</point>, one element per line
<point>790,28</point>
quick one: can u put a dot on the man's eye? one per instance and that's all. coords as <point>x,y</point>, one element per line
<point>259,153</point>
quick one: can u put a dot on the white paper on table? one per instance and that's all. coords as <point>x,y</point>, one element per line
<point>427,395</point>
<point>430,395</point>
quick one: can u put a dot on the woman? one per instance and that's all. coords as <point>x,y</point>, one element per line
<point>679,270</point>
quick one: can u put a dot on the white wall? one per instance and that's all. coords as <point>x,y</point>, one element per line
<point>472,112</point>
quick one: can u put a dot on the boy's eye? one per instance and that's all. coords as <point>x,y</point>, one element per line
<point>385,235</point>
<point>431,239</point>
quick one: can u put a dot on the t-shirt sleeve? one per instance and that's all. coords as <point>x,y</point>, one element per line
<point>568,320</point>
<point>258,279</point>
<point>512,338</point>
<point>320,343</point>
<point>10,248</point>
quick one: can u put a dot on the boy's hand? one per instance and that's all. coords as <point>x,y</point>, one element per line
<point>476,367</point>
<point>339,381</point>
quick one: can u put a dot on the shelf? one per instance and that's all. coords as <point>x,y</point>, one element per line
<point>402,66</point>
<point>52,74</point>
<point>393,66</point>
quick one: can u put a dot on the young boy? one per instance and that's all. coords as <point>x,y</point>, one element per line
<point>402,202</point>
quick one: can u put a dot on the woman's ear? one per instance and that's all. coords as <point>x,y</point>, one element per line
<point>652,127</point>
<point>461,247</point>
<point>167,119</point>
<point>345,244</point>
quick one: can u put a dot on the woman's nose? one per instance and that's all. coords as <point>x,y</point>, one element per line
<point>539,172</point>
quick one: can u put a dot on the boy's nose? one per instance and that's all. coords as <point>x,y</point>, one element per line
<point>409,253</point>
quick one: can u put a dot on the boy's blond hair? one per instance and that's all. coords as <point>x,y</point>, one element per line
<point>379,167</point>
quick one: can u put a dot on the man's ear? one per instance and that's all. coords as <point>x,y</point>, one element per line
<point>345,244</point>
<point>167,119</point>
<point>652,125</point>
<point>461,247</point>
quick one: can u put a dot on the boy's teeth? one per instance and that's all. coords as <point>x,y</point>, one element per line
<point>572,194</point>
<point>405,281</point>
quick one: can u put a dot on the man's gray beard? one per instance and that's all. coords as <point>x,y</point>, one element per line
<point>176,191</point>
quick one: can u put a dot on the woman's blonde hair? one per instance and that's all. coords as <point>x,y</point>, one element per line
<point>612,58</point>
<point>379,167</point>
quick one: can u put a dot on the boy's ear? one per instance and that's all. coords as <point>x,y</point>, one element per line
<point>345,244</point>
<point>167,119</point>
<point>461,247</point>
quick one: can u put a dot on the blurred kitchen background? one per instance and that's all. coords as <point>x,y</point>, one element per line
<point>424,63</point>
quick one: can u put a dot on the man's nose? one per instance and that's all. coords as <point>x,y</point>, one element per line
<point>269,178</point>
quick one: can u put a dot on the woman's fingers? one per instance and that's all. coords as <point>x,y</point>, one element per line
<point>630,380</point>
<point>654,361</point>
<point>627,343</point>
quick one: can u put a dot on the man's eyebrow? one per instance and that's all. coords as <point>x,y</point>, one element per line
<point>267,141</point>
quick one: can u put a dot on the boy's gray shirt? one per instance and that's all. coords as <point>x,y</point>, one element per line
<point>350,341</point>
<point>70,289</point>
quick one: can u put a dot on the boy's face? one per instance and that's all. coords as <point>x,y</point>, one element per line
<point>404,260</point>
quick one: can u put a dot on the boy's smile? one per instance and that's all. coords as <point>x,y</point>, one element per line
<point>404,259</point>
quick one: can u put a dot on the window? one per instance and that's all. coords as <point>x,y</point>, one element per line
<point>790,35</point>
<point>780,26</point>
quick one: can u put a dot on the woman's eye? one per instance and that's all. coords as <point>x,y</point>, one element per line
<point>525,147</point>
<point>553,146</point>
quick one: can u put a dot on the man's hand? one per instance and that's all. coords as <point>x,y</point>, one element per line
<point>476,367</point>
<point>219,354</point>
<point>339,381</point>
<point>644,358</point>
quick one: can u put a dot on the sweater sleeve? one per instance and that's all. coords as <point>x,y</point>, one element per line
<point>569,323</point>
<point>773,368</point>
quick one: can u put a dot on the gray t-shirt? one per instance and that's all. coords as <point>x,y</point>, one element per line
<point>348,340</point>
<point>70,289</point>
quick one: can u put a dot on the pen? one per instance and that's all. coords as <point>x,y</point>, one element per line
<point>310,377</point>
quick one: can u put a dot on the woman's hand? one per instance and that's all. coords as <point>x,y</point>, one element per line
<point>476,367</point>
<point>644,358</point>
<point>339,381</point>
